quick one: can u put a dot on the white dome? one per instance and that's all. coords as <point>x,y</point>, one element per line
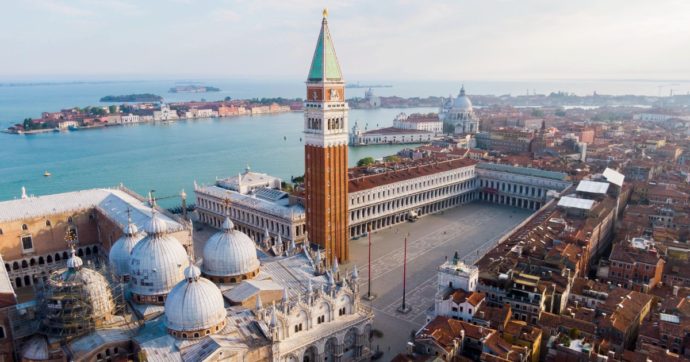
<point>195,304</point>
<point>229,252</point>
<point>122,249</point>
<point>156,262</point>
<point>462,102</point>
<point>155,225</point>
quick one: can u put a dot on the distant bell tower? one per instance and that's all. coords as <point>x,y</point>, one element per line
<point>325,150</point>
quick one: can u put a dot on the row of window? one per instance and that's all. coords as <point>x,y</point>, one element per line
<point>419,185</point>
<point>248,218</point>
<point>49,259</point>
<point>374,210</point>
<point>513,188</point>
<point>25,227</point>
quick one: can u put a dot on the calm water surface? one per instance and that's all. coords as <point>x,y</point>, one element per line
<point>166,158</point>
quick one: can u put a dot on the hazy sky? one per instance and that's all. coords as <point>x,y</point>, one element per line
<point>375,39</point>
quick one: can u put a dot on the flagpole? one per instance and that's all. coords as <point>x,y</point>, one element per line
<point>404,308</point>
<point>369,295</point>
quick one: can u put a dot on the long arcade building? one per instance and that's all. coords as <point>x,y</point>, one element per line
<point>382,197</point>
<point>325,150</point>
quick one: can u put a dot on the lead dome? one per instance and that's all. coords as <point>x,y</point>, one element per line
<point>120,252</point>
<point>462,101</point>
<point>156,263</point>
<point>195,307</point>
<point>229,256</point>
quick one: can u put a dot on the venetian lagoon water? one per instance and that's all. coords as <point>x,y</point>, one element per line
<point>169,158</point>
<point>166,158</point>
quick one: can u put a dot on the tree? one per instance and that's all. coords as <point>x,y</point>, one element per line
<point>560,112</point>
<point>392,158</point>
<point>112,109</point>
<point>28,123</point>
<point>366,161</point>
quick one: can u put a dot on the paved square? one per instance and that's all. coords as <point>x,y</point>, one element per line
<point>469,229</point>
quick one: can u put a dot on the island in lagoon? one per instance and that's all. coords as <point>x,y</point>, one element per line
<point>143,97</point>
<point>193,89</point>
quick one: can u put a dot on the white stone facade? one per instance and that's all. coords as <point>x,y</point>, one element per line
<point>403,121</point>
<point>386,205</point>
<point>129,119</point>
<point>252,215</point>
<point>518,186</point>
<point>455,274</point>
<point>325,123</point>
<point>389,135</point>
<point>328,324</point>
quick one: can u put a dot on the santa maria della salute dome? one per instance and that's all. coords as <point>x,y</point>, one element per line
<point>140,283</point>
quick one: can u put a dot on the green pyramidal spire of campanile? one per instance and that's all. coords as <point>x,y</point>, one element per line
<point>324,64</point>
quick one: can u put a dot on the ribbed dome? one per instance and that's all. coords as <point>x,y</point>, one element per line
<point>195,304</point>
<point>229,252</point>
<point>122,249</point>
<point>157,261</point>
<point>462,102</point>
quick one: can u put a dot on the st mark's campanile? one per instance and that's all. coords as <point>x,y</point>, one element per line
<point>325,150</point>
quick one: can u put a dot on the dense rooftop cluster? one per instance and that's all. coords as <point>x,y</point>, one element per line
<point>601,271</point>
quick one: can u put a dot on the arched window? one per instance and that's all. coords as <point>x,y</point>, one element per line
<point>18,282</point>
<point>15,266</point>
<point>49,259</point>
<point>25,227</point>
<point>2,332</point>
<point>24,264</point>
<point>69,219</point>
<point>57,257</point>
<point>48,223</point>
<point>41,261</point>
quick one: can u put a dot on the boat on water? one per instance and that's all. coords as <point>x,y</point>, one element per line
<point>47,174</point>
<point>73,128</point>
